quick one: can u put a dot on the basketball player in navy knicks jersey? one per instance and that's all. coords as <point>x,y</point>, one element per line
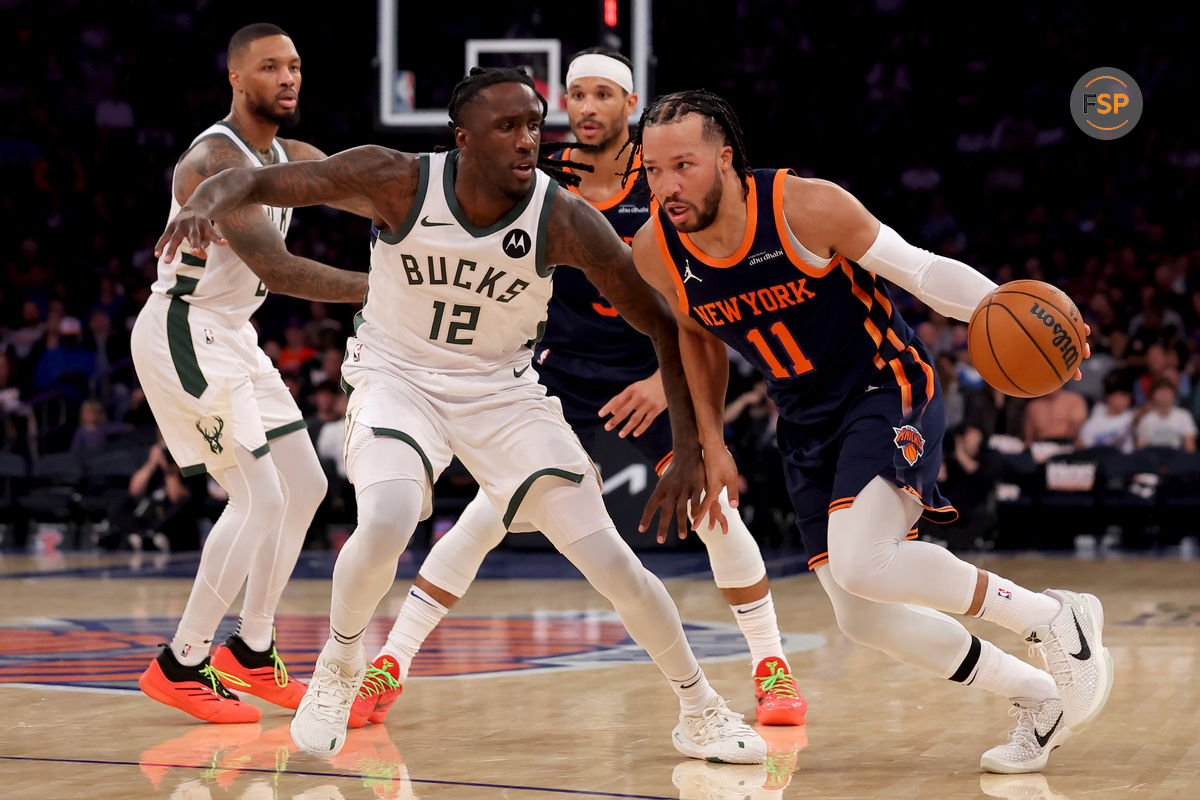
<point>440,365</point>
<point>791,273</point>
<point>598,366</point>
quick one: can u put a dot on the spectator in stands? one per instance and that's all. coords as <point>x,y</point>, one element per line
<point>296,350</point>
<point>1057,417</point>
<point>65,363</point>
<point>1162,423</point>
<point>10,392</point>
<point>1111,422</point>
<point>954,396</point>
<point>1160,362</point>
<point>162,507</point>
<point>22,340</point>
<point>994,413</point>
<point>94,429</point>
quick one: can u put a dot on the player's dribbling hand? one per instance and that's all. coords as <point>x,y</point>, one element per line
<point>678,489</point>
<point>637,406</point>
<point>192,226</point>
<point>1087,350</point>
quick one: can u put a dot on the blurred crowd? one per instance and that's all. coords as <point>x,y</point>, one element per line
<point>88,142</point>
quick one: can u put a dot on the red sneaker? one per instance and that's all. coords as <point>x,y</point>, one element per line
<point>199,690</point>
<point>779,702</point>
<point>264,674</point>
<point>379,690</point>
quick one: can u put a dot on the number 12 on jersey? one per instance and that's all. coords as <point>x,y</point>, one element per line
<point>470,315</point>
<point>800,363</point>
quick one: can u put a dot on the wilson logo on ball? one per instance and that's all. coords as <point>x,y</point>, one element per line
<point>1062,335</point>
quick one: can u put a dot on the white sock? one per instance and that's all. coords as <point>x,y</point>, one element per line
<point>419,615</point>
<point>694,693</point>
<point>1015,607</point>
<point>256,631</point>
<point>1000,673</point>
<point>344,647</point>
<point>761,628</point>
<point>189,648</point>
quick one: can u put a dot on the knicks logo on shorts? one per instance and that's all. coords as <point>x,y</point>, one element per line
<point>910,443</point>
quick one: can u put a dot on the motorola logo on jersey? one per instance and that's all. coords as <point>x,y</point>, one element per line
<point>516,243</point>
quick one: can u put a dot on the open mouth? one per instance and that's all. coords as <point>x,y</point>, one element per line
<point>588,128</point>
<point>287,101</point>
<point>524,169</point>
<point>676,211</point>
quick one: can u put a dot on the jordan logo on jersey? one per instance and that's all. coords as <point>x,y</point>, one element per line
<point>516,243</point>
<point>210,428</point>
<point>688,274</point>
<point>910,442</point>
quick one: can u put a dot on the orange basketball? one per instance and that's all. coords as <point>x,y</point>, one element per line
<point>1026,338</point>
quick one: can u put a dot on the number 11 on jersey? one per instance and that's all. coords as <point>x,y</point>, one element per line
<point>800,363</point>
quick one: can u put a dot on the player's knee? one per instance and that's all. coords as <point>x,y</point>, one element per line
<point>266,503</point>
<point>862,624</point>
<point>388,513</point>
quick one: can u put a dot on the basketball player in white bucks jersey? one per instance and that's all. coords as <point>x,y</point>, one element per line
<point>440,366</point>
<point>221,405</point>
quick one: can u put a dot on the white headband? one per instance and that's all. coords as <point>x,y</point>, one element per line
<point>595,65</point>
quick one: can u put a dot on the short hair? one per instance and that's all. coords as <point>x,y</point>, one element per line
<point>720,123</point>
<point>603,51</point>
<point>480,78</point>
<point>243,36</point>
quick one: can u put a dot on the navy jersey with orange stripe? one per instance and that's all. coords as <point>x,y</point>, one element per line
<point>584,335</point>
<point>820,333</point>
<point>856,395</point>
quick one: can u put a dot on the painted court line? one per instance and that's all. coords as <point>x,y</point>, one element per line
<point>351,776</point>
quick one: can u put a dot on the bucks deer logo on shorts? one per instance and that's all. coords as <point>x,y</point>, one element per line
<point>210,428</point>
<point>910,443</point>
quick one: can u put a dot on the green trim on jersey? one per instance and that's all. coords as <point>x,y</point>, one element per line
<point>250,147</point>
<point>179,338</point>
<point>392,433</point>
<point>347,388</point>
<point>358,315</point>
<point>449,171</point>
<point>523,489</point>
<point>394,237</point>
<point>189,260</point>
<point>543,225</point>
<point>194,469</point>
<point>284,430</point>
<point>261,451</point>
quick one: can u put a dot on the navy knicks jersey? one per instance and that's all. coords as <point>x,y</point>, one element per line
<point>820,330</point>
<point>585,336</point>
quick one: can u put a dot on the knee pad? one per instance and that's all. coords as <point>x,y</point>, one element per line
<point>454,560</point>
<point>734,556</point>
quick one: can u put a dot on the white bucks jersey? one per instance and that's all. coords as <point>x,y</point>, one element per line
<point>446,296</point>
<point>221,282</point>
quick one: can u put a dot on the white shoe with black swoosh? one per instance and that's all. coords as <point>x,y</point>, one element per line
<point>1041,727</point>
<point>719,734</point>
<point>1073,650</point>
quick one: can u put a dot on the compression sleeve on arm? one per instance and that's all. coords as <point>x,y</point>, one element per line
<point>949,287</point>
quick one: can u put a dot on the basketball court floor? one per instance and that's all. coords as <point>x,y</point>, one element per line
<point>532,691</point>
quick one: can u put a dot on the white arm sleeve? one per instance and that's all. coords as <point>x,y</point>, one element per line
<point>949,287</point>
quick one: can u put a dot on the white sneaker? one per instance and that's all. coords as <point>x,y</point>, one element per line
<point>1075,655</point>
<point>718,734</point>
<point>1040,728</point>
<point>697,780</point>
<point>319,724</point>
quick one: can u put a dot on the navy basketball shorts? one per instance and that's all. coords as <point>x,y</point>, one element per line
<point>824,472</point>
<point>581,403</point>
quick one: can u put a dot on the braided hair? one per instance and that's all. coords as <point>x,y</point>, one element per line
<point>720,123</point>
<point>467,91</point>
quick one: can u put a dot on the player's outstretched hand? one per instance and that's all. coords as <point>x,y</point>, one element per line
<point>678,488</point>
<point>1087,350</point>
<point>192,226</point>
<point>637,406</point>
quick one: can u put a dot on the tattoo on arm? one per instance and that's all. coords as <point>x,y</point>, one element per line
<point>258,243</point>
<point>579,235</point>
<point>303,151</point>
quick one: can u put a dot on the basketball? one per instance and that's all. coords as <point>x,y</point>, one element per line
<point>1026,338</point>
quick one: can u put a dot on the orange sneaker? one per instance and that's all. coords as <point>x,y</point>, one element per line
<point>264,674</point>
<point>199,690</point>
<point>379,690</point>
<point>779,702</point>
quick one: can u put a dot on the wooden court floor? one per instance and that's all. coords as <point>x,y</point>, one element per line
<point>541,699</point>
